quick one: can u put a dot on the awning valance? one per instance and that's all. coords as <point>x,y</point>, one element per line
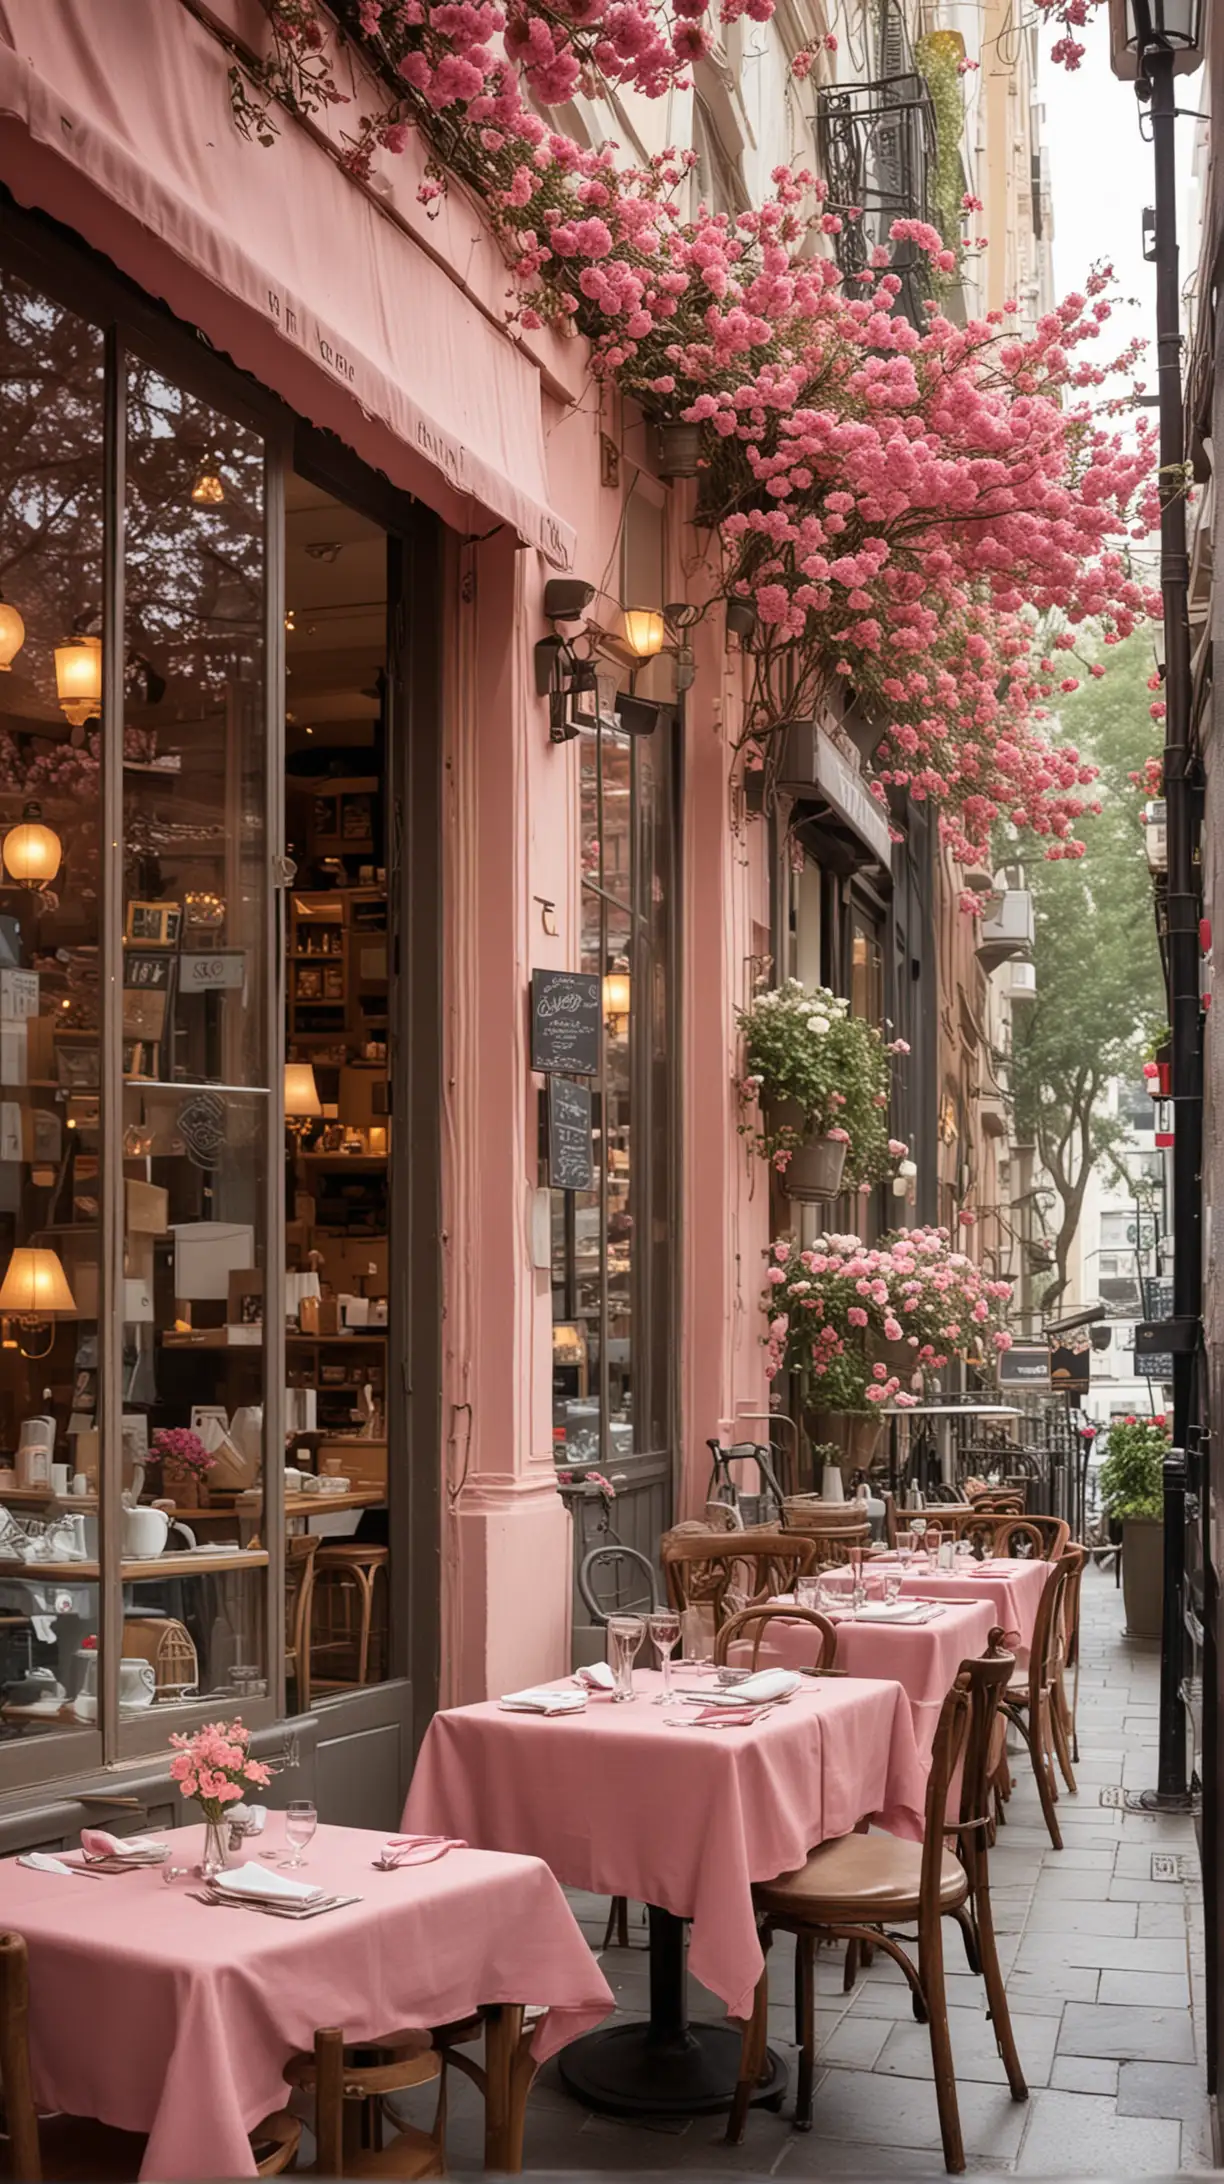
<point>115,119</point>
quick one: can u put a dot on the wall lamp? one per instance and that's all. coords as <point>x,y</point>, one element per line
<point>562,676</point>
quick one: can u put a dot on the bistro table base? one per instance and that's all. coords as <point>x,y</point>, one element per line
<point>626,2072</point>
<point>665,2067</point>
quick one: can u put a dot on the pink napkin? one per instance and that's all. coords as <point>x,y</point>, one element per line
<point>96,1843</point>
<point>728,1717</point>
<point>403,1850</point>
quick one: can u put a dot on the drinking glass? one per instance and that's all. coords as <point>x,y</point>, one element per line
<point>892,1587</point>
<point>664,1628</point>
<point>625,1635</point>
<point>301,1820</point>
<point>905,1546</point>
<point>807,1591</point>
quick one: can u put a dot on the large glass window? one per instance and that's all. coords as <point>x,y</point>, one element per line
<point>611,1245</point>
<point>52,434</point>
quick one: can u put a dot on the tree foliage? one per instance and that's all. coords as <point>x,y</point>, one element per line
<point>1100,994</point>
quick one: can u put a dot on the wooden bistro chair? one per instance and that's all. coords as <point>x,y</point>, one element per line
<point>833,1527</point>
<point>751,1624</point>
<point>300,1551</point>
<point>1031,1538</point>
<point>351,2087</point>
<point>858,1888</point>
<point>74,2149</point>
<point>1033,1703</point>
<point>724,1571</point>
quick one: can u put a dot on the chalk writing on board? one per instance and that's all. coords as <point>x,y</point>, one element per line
<point>571,1166</point>
<point>566,1020</point>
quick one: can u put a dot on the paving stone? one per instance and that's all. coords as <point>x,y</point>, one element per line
<point>1061,1915</point>
<point>1155,1990</point>
<point>1162,2089</point>
<point>856,2042</point>
<point>1126,1888</point>
<point>873,2110</point>
<point>1084,2074</point>
<point>806,2154</point>
<point>1163,1920</point>
<point>1126,2033</point>
<point>1104,1952</point>
<point>1047,1989</point>
<point>1081,2134</point>
<point>907,2053</point>
<point>1063,1884</point>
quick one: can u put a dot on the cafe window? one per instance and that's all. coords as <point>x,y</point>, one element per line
<point>611,1256</point>
<point>196,1225</point>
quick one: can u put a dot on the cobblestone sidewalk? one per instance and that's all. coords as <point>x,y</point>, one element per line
<point>1105,1973</point>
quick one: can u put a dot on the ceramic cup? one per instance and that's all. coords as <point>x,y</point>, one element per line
<point>137,1683</point>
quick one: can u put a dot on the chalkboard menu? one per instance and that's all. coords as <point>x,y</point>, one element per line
<point>1025,1365</point>
<point>571,1165</point>
<point>566,1015</point>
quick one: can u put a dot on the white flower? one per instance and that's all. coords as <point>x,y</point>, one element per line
<point>907,1168</point>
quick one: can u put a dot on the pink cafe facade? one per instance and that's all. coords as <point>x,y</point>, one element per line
<point>282,503</point>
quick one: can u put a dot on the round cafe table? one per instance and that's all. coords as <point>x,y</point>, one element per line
<point>637,1801</point>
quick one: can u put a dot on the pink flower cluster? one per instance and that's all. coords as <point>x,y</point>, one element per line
<point>829,1305</point>
<point>181,1445</point>
<point>215,1767</point>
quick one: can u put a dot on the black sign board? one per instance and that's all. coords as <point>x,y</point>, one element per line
<point>1025,1365</point>
<point>566,1018</point>
<point>571,1163</point>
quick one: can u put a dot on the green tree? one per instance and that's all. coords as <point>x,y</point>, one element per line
<point>1100,992</point>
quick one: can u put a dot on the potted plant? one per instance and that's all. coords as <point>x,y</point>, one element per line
<point>185,1465</point>
<point>859,1325</point>
<point>1132,1491</point>
<point>819,1081</point>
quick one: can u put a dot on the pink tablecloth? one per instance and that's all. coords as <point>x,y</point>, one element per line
<point>687,1818</point>
<point>1014,1587</point>
<point>922,1657</point>
<point>154,2013</point>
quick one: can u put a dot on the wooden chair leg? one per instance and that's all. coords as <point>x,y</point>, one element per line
<point>509,2071</point>
<point>996,1992</point>
<point>618,1923</point>
<point>931,1974</point>
<point>805,1971</point>
<point>853,1958</point>
<point>329,2101</point>
<point>1043,1768</point>
<point>1060,1724</point>
<point>752,2059</point>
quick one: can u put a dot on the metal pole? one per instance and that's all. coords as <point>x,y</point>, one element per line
<point>1182,909</point>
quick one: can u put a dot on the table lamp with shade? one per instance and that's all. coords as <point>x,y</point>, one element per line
<point>302,1103</point>
<point>35,1292</point>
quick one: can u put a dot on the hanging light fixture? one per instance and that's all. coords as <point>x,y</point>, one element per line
<point>78,679</point>
<point>12,635</point>
<point>32,852</point>
<point>35,1293</point>
<point>616,997</point>
<point>644,631</point>
<point>208,490</point>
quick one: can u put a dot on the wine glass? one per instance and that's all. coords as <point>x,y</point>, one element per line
<point>625,1635</point>
<point>301,1820</point>
<point>663,1626</point>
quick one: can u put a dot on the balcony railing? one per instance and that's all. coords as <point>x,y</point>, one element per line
<point>876,143</point>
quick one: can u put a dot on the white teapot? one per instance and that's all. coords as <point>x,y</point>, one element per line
<point>146,1530</point>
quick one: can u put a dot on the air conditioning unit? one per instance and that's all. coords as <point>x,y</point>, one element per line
<point>1021,982</point>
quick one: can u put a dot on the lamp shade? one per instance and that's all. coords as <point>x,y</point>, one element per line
<point>644,631</point>
<point>32,851</point>
<point>301,1091</point>
<point>1139,27</point>
<point>208,490</point>
<point>616,992</point>
<point>12,635</point>
<point>35,1285</point>
<point>78,679</point>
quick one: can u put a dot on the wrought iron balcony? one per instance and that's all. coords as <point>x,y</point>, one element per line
<point>876,143</point>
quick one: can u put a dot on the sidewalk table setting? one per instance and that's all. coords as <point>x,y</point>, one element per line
<point>923,1655</point>
<point>1014,1587</point>
<point>168,2005</point>
<point>682,1805</point>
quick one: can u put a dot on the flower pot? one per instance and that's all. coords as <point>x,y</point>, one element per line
<point>813,1174</point>
<point>1143,1575</point>
<point>679,450</point>
<point>855,1433</point>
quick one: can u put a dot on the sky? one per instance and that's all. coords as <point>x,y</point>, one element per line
<point>1101,175</point>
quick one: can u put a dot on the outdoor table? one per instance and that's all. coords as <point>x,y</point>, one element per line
<point>1015,1586</point>
<point>683,1819</point>
<point>922,1657</point>
<point>156,2013</point>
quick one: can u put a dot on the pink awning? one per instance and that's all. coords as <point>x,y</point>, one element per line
<point>115,119</point>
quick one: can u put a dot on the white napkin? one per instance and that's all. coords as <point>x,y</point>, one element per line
<point>597,1677</point>
<point>96,1843</point>
<point>544,1699</point>
<point>758,1690</point>
<point>262,1884</point>
<point>887,1611</point>
<point>41,1861</point>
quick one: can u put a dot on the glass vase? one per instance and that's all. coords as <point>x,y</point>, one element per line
<point>215,1857</point>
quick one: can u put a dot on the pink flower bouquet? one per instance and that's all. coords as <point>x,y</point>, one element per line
<point>179,1446</point>
<point>215,1767</point>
